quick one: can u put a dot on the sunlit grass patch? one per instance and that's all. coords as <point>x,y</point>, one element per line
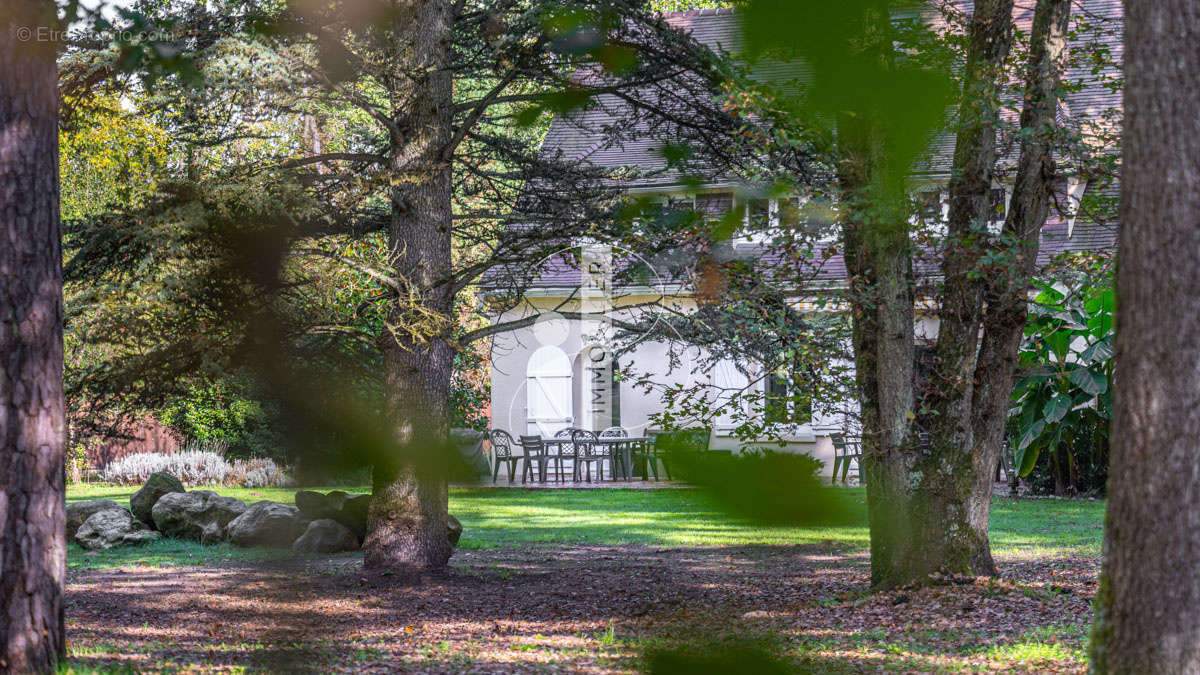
<point>1034,651</point>
<point>513,518</point>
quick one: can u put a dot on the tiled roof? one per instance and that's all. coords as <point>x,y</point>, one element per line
<point>579,136</point>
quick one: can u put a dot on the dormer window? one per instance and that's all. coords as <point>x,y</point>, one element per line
<point>666,209</point>
<point>765,219</point>
<point>933,209</point>
<point>760,220</point>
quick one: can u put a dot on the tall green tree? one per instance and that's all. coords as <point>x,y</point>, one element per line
<point>933,417</point>
<point>405,158</point>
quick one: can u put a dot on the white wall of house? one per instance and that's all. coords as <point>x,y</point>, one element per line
<point>539,383</point>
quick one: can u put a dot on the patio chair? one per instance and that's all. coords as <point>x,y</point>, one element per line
<point>535,451</point>
<point>565,451</point>
<point>502,451</point>
<point>1008,463</point>
<point>587,453</point>
<point>846,449</point>
<point>617,454</point>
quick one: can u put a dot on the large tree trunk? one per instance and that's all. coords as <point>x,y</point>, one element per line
<point>408,514</point>
<point>929,495</point>
<point>1148,607</point>
<point>973,378</point>
<point>916,490</point>
<point>879,265</point>
<point>32,422</point>
<point>945,473</point>
<point>1007,295</point>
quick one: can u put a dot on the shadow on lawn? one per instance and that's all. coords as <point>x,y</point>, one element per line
<point>557,608</point>
<point>495,610</point>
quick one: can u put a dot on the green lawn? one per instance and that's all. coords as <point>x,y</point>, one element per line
<point>667,518</point>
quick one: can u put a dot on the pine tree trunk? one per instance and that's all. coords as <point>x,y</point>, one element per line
<point>32,421</point>
<point>407,519</point>
<point>1148,607</point>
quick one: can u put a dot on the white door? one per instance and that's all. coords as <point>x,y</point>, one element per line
<point>729,383</point>
<point>548,392</point>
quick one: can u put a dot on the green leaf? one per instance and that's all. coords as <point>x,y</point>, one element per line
<point>1104,405</point>
<point>1100,309</point>
<point>1048,296</point>
<point>1027,459</point>
<point>1094,383</point>
<point>1099,351</point>
<point>1057,408</point>
<point>1059,343</point>
<point>1030,435</point>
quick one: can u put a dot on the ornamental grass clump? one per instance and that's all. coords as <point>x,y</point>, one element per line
<point>256,472</point>
<point>191,468</point>
<point>194,468</point>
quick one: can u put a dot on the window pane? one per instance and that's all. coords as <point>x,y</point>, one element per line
<point>929,205</point>
<point>759,213</point>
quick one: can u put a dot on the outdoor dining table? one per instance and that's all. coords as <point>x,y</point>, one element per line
<point>623,445</point>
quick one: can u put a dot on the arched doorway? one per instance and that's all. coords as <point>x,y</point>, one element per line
<point>597,388</point>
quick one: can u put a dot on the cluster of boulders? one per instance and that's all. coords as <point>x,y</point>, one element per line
<point>318,523</point>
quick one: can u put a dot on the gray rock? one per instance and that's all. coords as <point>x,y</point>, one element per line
<point>354,514</point>
<point>350,511</point>
<point>326,536</point>
<point>200,515</point>
<point>113,527</point>
<point>469,444</point>
<point>79,512</point>
<point>317,506</point>
<point>158,484</point>
<point>267,524</point>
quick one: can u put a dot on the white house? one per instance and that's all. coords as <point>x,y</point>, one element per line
<point>550,375</point>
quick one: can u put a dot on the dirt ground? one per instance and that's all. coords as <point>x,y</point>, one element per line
<point>578,609</point>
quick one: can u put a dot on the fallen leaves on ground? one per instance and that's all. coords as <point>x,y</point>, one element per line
<point>582,609</point>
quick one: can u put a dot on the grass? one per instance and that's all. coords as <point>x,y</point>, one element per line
<point>505,518</point>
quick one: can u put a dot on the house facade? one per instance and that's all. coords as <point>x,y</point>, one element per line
<point>556,373</point>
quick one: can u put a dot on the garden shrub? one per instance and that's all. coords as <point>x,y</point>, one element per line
<point>1062,401</point>
<point>192,468</point>
<point>232,412</point>
<point>256,472</point>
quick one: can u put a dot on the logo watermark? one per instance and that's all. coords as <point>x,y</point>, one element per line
<point>573,377</point>
<point>59,34</point>
<point>596,299</point>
